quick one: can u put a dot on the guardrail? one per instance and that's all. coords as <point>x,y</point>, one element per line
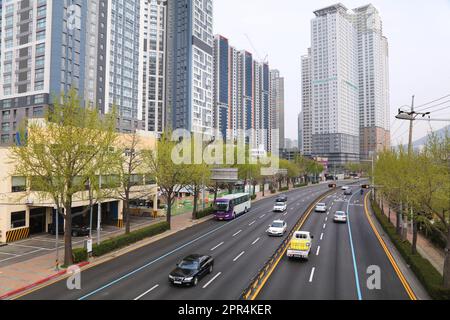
<point>255,283</point>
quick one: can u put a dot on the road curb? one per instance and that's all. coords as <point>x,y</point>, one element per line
<point>37,283</point>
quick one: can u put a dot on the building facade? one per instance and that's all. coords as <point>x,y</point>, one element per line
<point>153,59</point>
<point>243,95</point>
<point>42,53</point>
<point>189,88</point>
<point>345,74</point>
<point>306,114</point>
<point>277,106</point>
<point>25,211</point>
<point>373,64</point>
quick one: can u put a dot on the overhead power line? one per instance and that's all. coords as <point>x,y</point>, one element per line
<point>431,102</point>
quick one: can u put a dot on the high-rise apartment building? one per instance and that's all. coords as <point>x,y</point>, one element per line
<point>345,85</point>
<point>189,95</point>
<point>334,77</point>
<point>374,106</point>
<point>153,59</point>
<point>277,106</point>
<point>42,53</point>
<point>242,95</point>
<point>306,114</point>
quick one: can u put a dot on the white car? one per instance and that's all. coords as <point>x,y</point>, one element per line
<point>345,187</point>
<point>280,207</point>
<point>340,216</point>
<point>277,228</point>
<point>321,207</point>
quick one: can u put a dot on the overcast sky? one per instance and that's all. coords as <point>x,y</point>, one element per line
<point>419,45</point>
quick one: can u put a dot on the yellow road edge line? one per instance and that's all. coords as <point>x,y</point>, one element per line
<point>397,270</point>
<point>302,222</point>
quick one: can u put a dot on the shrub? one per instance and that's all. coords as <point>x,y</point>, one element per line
<point>300,185</point>
<point>284,189</point>
<point>430,278</point>
<point>79,255</point>
<point>203,213</point>
<point>126,239</point>
<point>253,197</point>
<point>272,191</point>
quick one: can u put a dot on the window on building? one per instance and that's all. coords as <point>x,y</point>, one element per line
<point>18,184</point>
<point>18,219</point>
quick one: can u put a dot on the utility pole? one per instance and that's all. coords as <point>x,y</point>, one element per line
<point>411,121</point>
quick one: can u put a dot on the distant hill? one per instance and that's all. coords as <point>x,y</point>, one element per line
<point>422,141</point>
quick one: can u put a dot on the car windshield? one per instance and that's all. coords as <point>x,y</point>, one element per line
<point>340,213</point>
<point>277,225</point>
<point>279,204</point>
<point>188,264</point>
<point>221,206</point>
<point>321,204</point>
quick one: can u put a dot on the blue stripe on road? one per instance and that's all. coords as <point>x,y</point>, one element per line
<point>358,289</point>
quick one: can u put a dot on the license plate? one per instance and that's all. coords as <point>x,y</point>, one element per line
<point>177,282</point>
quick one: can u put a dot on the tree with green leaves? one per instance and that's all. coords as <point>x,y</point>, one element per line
<point>130,168</point>
<point>170,176</point>
<point>61,153</point>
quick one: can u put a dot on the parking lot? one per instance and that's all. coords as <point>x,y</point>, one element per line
<point>45,243</point>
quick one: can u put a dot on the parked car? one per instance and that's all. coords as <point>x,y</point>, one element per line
<point>191,269</point>
<point>340,216</point>
<point>77,230</point>
<point>277,228</point>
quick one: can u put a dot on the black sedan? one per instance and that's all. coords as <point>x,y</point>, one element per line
<point>191,269</point>
<point>77,230</point>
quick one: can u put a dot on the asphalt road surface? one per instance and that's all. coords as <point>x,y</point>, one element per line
<point>240,248</point>
<point>340,257</point>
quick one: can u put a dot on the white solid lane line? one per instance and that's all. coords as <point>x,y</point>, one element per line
<point>255,241</point>
<point>237,233</point>
<point>318,250</point>
<point>321,236</point>
<point>312,274</point>
<point>251,223</point>
<point>217,246</point>
<point>240,255</point>
<point>210,281</point>
<point>147,292</point>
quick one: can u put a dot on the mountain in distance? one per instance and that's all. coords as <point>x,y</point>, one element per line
<point>422,141</point>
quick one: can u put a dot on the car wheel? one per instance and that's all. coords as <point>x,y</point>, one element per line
<point>210,269</point>
<point>195,281</point>
<point>246,210</point>
<point>234,215</point>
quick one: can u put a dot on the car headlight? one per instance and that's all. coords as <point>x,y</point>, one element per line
<point>188,279</point>
<point>170,277</point>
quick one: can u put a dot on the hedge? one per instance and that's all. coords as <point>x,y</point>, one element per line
<point>253,197</point>
<point>126,239</point>
<point>300,185</point>
<point>203,213</point>
<point>430,278</point>
<point>284,189</point>
<point>79,255</point>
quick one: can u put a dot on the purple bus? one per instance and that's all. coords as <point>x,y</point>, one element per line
<point>230,206</point>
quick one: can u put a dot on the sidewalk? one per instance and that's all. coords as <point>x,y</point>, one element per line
<point>424,246</point>
<point>37,270</point>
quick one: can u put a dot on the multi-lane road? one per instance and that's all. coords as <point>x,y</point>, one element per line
<point>344,258</point>
<point>240,248</point>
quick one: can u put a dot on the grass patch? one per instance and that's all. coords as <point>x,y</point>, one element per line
<point>430,278</point>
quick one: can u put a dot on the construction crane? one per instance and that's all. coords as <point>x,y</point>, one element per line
<point>256,51</point>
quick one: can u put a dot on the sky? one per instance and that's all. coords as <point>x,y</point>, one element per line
<point>418,32</point>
